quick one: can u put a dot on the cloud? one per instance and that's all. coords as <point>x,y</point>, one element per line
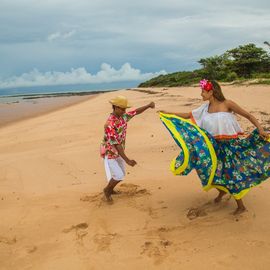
<point>107,74</point>
<point>151,35</point>
<point>59,35</point>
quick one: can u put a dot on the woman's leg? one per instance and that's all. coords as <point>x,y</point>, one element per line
<point>240,207</point>
<point>220,195</point>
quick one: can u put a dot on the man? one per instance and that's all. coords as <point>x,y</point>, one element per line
<point>113,144</point>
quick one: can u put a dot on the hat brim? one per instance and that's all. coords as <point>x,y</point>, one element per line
<point>119,105</point>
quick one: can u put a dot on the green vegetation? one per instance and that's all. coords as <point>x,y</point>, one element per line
<point>239,64</point>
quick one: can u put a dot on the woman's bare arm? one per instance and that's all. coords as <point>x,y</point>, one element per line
<point>232,106</point>
<point>180,114</point>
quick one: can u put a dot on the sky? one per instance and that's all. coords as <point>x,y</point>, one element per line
<point>56,42</point>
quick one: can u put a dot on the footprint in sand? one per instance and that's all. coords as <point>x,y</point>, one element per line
<point>104,241</point>
<point>91,198</point>
<point>124,191</point>
<point>159,248</point>
<point>208,207</point>
<point>8,241</point>
<point>166,229</point>
<point>132,190</point>
<point>156,250</point>
<point>80,231</point>
<point>31,249</point>
<point>195,213</point>
<point>257,243</point>
<point>80,226</point>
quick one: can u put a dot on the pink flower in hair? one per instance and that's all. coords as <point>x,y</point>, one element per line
<point>206,85</point>
<point>203,83</point>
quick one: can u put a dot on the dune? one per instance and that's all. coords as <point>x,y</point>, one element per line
<point>53,215</point>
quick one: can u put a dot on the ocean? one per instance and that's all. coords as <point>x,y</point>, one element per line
<point>22,103</point>
<point>25,93</point>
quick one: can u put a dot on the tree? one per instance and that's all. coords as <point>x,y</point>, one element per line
<point>248,59</point>
<point>215,67</point>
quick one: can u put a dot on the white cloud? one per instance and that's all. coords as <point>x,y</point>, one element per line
<point>59,35</point>
<point>107,74</point>
<point>151,35</point>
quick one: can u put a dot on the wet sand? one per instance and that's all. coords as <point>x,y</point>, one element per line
<point>27,108</point>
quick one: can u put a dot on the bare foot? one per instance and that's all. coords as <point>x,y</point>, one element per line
<point>108,196</point>
<point>239,210</point>
<point>115,192</point>
<point>219,197</point>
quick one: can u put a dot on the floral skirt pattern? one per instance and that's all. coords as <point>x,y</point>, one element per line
<point>234,165</point>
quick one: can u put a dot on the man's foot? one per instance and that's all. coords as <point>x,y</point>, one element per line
<point>115,192</point>
<point>107,195</point>
<point>239,210</point>
<point>219,197</point>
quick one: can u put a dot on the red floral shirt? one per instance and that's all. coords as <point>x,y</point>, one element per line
<point>115,133</point>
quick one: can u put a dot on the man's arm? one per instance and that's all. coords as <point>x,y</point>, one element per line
<point>121,152</point>
<point>143,108</point>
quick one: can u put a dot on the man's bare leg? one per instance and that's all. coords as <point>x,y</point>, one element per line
<point>108,190</point>
<point>115,183</point>
<point>116,192</point>
<point>220,195</point>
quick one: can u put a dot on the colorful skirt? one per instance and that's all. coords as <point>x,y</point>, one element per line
<point>234,165</point>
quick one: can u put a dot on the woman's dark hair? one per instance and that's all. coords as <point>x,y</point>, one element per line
<point>217,93</point>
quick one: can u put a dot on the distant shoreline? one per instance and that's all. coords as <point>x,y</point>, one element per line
<point>18,107</point>
<point>33,106</point>
<point>53,94</point>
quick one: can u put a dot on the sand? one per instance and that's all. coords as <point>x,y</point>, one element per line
<point>11,112</point>
<point>51,206</point>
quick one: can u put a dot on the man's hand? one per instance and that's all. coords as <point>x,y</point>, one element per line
<point>152,105</point>
<point>145,107</point>
<point>131,162</point>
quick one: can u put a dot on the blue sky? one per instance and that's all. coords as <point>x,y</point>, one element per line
<point>57,42</point>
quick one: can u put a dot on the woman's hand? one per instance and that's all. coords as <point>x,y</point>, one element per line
<point>264,134</point>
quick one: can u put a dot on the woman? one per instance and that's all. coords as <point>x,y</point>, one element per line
<point>239,164</point>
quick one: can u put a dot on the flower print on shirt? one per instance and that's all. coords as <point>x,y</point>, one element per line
<point>115,133</point>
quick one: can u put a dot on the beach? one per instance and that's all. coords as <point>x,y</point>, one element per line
<point>53,215</point>
<point>15,110</point>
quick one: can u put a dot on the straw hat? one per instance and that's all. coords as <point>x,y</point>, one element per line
<point>120,101</point>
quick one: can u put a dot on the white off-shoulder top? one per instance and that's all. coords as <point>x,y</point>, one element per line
<point>221,125</point>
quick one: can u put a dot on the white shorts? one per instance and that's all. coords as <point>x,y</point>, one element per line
<point>114,168</point>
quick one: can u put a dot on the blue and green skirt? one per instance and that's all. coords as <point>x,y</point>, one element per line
<point>231,165</point>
